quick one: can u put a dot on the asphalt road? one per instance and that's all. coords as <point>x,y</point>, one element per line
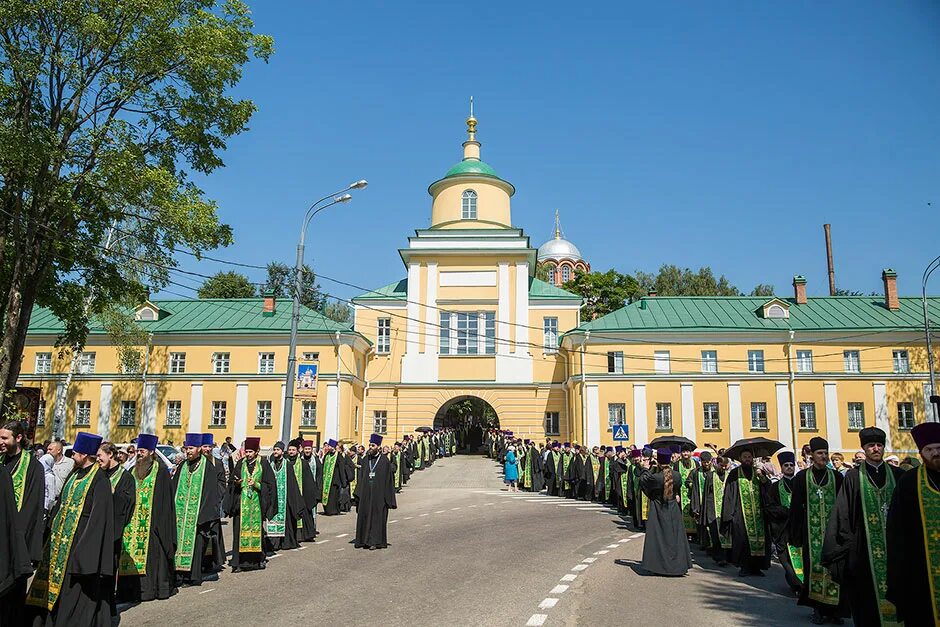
<point>463,551</point>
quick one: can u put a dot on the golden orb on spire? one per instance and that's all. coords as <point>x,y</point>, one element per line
<point>471,124</point>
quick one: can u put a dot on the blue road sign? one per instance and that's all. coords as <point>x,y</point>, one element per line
<point>621,433</point>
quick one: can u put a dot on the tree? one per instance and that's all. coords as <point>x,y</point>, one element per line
<point>281,282</point>
<point>603,292</point>
<point>541,271</point>
<point>104,109</point>
<point>673,281</point>
<point>227,285</point>
<point>762,289</point>
<point>338,311</point>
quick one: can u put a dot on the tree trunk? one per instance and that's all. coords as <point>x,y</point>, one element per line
<point>20,298</point>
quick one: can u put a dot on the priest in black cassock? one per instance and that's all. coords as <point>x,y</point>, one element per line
<point>282,527</point>
<point>814,491</point>
<point>147,568</point>
<point>855,546</point>
<point>124,491</point>
<point>195,493</point>
<point>215,554</point>
<point>550,469</point>
<point>666,548</point>
<point>698,498</point>
<point>535,480</point>
<point>777,497</point>
<point>253,502</point>
<point>914,535</point>
<point>29,489</point>
<point>303,476</point>
<point>719,545</point>
<point>71,586</point>
<point>375,490</point>
<point>15,564</point>
<point>743,516</point>
<point>333,479</point>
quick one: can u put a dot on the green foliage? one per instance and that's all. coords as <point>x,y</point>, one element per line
<point>131,340</point>
<point>227,285</point>
<point>673,281</point>
<point>280,281</point>
<point>762,289</point>
<point>541,272</point>
<point>465,410</point>
<point>338,311</point>
<point>603,292</point>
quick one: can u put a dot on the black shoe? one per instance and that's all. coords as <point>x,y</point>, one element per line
<point>817,618</point>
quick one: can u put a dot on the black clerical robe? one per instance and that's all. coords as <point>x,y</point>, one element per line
<point>846,546</point>
<point>375,489</point>
<point>534,462</point>
<point>215,557</point>
<point>699,502</point>
<point>15,566</point>
<point>88,569</point>
<point>550,472</point>
<point>158,580</point>
<point>124,491</point>
<point>306,523</point>
<point>293,506</point>
<point>31,510</point>
<point>266,489</point>
<point>735,520</point>
<point>777,497</point>
<point>201,527</point>
<point>908,573</point>
<point>666,547</point>
<point>332,486</point>
<point>581,477</point>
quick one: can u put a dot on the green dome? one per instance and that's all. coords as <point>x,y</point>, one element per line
<point>471,167</point>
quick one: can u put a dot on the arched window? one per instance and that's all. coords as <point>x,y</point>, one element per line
<point>551,274</point>
<point>468,205</point>
<point>776,311</point>
<point>565,274</point>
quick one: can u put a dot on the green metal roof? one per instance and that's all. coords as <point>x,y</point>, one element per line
<point>397,291</point>
<point>472,167</point>
<point>546,291</point>
<point>537,289</point>
<point>744,313</point>
<point>209,315</point>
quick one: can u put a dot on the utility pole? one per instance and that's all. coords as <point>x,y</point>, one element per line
<point>829,264</point>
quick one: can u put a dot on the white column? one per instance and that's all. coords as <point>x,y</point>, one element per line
<point>148,413</point>
<point>502,310</point>
<point>412,341</point>
<point>593,416</point>
<point>641,431</point>
<point>881,410</point>
<point>784,416</point>
<point>833,420</point>
<point>688,411</point>
<point>735,417</point>
<point>331,428</point>
<point>431,314</point>
<point>195,409</point>
<point>241,412</point>
<point>60,409</point>
<point>522,308</point>
<point>104,411</point>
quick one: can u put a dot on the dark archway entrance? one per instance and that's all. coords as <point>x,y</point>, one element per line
<point>470,416</point>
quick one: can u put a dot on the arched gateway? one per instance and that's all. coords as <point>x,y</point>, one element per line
<point>470,416</point>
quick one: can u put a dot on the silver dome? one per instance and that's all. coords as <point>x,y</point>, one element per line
<point>559,248</point>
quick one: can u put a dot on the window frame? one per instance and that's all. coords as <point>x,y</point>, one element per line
<point>614,362</point>
<point>79,405</point>
<point>468,204</point>
<point>662,362</point>
<point>664,410</point>
<point>804,361</point>
<point>264,410</point>
<point>383,336</point>
<point>46,362</point>
<point>758,408</point>
<point>220,364</point>
<point>304,414</point>
<point>552,419</point>
<point>380,421</point>
<point>901,361</point>
<point>128,404</point>
<point>550,335</point>
<point>807,412</point>
<point>41,413</point>
<point>755,361</point>
<point>847,356</point>
<point>710,362</point>
<point>467,333</point>
<point>171,420</point>
<point>565,273</point>
<point>708,415</point>
<point>86,362</point>
<point>616,412</point>
<point>906,425</point>
<point>219,414</point>
<point>177,363</point>
<point>853,408</point>
<point>551,274</point>
<point>267,361</point>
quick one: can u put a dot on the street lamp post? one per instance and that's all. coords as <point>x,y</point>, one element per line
<point>933,265</point>
<point>315,208</point>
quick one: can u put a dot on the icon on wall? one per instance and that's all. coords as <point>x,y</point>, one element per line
<point>307,380</point>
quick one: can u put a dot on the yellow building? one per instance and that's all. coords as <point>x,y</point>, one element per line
<point>469,320</point>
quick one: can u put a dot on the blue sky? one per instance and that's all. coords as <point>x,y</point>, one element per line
<point>720,134</point>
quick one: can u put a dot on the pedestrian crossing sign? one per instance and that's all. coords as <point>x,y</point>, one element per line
<point>621,433</point>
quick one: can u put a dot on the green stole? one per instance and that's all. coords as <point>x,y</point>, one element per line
<point>136,540</point>
<point>565,460</point>
<point>188,500</point>
<point>875,503</point>
<point>644,500</point>
<point>299,475</point>
<point>249,530</point>
<point>527,472</point>
<point>606,478</point>
<point>596,465</point>
<point>684,499</point>
<point>419,462</point>
<point>277,525</point>
<point>47,584</point>
<point>19,479</point>
<point>819,503</point>
<point>116,477</point>
<point>718,492</point>
<point>753,516</point>
<point>624,485</point>
<point>795,553</point>
<point>355,477</point>
<point>398,467</point>
<point>929,500</point>
<point>329,464</point>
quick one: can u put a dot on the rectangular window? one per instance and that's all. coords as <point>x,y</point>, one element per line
<point>86,363</point>
<point>383,336</point>
<point>468,329</point>
<point>265,363</point>
<point>263,415</point>
<point>310,356</point>
<point>616,415</point>
<point>902,364</point>
<point>43,363</point>
<point>905,415</point>
<point>41,413</point>
<point>852,362</point>
<point>710,418</point>
<point>445,333</point>
<point>709,362</point>
<point>759,416</point>
<point>808,416</point>
<point>128,414</point>
<point>550,334</point>
<point>177,363</point>
<point>551,423</point>
<point>804,361</point>
<point>755,361</point>
<point>488,318</point>
<point>219,413</point>
<point>82,413</point>
<point>664,416</point>
<point>615,362</point>
<point>468,333</point>
<point>174,413</point>
<point>856,416</point>
<point>380,421</point>
<point>308,414</point>
<point>661,362</point>
<point>220,363</point>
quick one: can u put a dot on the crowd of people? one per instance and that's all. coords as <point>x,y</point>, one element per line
<point>83,532</point>
<point>859,539</point>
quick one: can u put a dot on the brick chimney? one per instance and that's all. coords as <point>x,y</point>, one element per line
<point>890,278</point>
<point>799,289</point>
<point>269,304</point>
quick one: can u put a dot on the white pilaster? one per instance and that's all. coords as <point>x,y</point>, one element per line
<point>735,417</point>
<point>522,308</point>
<point>593,427</point>
<point>833,420</point>
<point>104,411</point>
<point>784,415</point>
<point>61,409</point>
<point>881,410</point>
<point>279,416</point>
<point>502,310</point>
<point>331,427</point>
<point>688,411</point>
<point>241,412</point>
<point>641,431</point>
<point>148,413</point>
<point>412,341</point>
<point>195,409</point>
<point>431,314</point>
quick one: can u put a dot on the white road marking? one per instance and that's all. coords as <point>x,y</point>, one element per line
<point>275,555</point>
<point>612,546</point>
<point>488,503</point>
<point>341,549</point>
<point>569,577</point>
<point>423,514</point>
<point>587,505</point>
<point>342,535</point>
<point>624,540</point>
<point>580,567</point>
<point>547,603</point>
<point>440,511</point>
<point>408,517</point>
<point>454,509</point>
<point>536,620</point>
<point>302,548</point>
<point>560,588</point>
<point>589,560</point>
<point>323,541</point>
<point>591,509</point>
<point>471,505</point>
<point>392,521</point>
<point>636,535</point>
<point>205,591</point>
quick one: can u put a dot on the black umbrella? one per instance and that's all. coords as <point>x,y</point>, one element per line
<point>423,429</point>
<point>665,441</point>
<point>760,447</point>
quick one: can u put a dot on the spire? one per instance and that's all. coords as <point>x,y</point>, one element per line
<point>557,225</point>
<point>471,147</point>
<point>471,124</point>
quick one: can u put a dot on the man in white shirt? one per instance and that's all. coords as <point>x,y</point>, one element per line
<point>63,465</point>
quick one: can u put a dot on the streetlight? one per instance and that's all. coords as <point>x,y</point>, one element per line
<point>933,265</point>
<point>342,196</point>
